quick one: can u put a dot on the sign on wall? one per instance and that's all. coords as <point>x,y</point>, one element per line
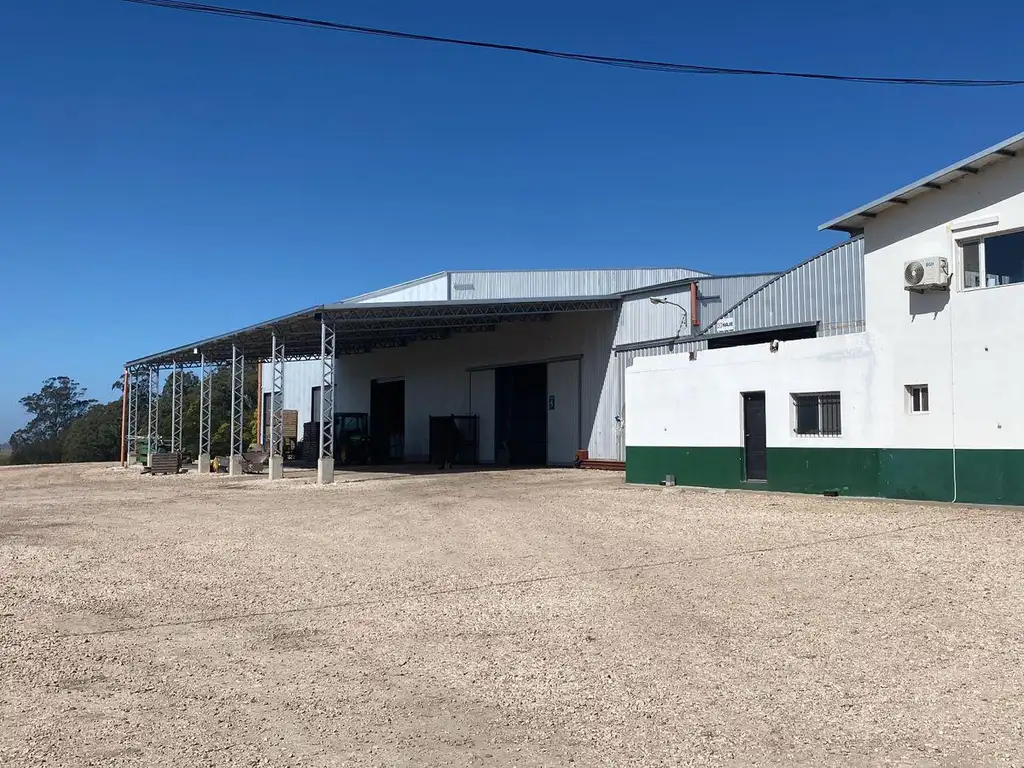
<point>725,325</point>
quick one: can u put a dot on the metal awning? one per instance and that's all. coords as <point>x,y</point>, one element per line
<point>854,221</point>
<point>361,328</point>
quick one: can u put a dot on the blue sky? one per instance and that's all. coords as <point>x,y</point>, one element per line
<point>318,165</point>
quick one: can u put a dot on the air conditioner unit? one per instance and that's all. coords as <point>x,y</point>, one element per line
<point>926,275</point>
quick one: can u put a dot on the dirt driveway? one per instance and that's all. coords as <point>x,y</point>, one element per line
<point>498,618</point>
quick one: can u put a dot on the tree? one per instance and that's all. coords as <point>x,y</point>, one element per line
<point>95,436</point>
<point>69,427</point>
<point>54,407</point>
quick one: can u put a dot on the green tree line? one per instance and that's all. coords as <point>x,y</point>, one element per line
<point>66,426</point>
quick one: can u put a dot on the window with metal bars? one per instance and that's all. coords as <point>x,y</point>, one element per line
<point>817,414</point>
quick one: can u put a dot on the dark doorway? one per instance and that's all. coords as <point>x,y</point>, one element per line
<point>755,437</point>
<point>521,415</point>
<point>387,421</point>
<point>314,404</point>
<point>265,419</point>
<point>746,339</point>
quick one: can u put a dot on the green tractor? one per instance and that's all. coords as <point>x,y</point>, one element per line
<point>142,448</point>
<point>352,438</point>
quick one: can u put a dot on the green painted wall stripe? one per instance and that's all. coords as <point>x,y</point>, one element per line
<point>990,476</point>
<point>983,476</point>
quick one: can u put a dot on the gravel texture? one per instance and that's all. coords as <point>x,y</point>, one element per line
<point>498,618</point>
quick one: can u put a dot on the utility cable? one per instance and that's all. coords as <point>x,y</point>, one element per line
<point>610,61</point>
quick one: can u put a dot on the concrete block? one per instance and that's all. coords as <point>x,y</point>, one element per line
<point>235,466</point>
<point>325,471</point>
<point>203,464</point>
<point>276,467</point>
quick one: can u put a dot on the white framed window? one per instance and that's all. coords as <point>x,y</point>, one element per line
<point>993,260</point>
<point>917,398</point>
<point>817,414</point>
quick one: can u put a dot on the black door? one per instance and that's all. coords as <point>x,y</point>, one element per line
<point>521,414</point>
<point>755,437</point>
<point>387,421</point>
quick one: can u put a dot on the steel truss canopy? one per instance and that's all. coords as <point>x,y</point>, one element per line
<point>361,328</point>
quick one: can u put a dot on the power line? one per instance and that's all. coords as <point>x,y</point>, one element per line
<point>610,61</point>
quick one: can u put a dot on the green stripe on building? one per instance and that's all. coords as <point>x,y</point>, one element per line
<point>983,476</point>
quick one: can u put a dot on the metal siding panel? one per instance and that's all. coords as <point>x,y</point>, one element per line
<point>640,320</point>
<point>563,429</point>
<point>300,376</point>
<point>828,289</point>
<point>729,290</point>
<point>435,289</point>
<point>537,284</point>
<point>597,388</point>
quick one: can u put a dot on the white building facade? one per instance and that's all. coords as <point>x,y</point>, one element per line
<point>916,399</point>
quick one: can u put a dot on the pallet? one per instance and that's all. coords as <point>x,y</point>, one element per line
<point>164,464</point>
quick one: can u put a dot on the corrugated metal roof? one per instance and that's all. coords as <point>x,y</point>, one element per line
<point>361,327</point>
<point>827,289</point>
<point>854,221</point>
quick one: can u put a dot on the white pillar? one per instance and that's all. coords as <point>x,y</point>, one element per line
<point>276,467</point>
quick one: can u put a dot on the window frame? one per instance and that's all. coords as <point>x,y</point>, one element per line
<point>969,239</point>
<point>925,399</point>
<point>821,405</point>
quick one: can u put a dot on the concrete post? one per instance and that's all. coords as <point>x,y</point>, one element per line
<point>325,470</point>
<point>276,467</point>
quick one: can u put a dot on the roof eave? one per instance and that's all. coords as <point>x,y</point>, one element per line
<point>1003,150</point>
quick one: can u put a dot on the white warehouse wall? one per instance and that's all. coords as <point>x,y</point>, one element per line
<point>438,377</point>
<point>439,380</point>
<point>300,376</point>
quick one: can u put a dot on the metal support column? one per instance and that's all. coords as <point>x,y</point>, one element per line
<point>276,406</point>
<point>153,404</point>
<point>205,402</point>
<point>237,411</point>
<point>124,419</point>
<point>325,464</point>
<point>177,406</point>
<point>134,385</point>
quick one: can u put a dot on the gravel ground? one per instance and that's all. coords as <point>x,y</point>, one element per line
<point>498,618</point>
